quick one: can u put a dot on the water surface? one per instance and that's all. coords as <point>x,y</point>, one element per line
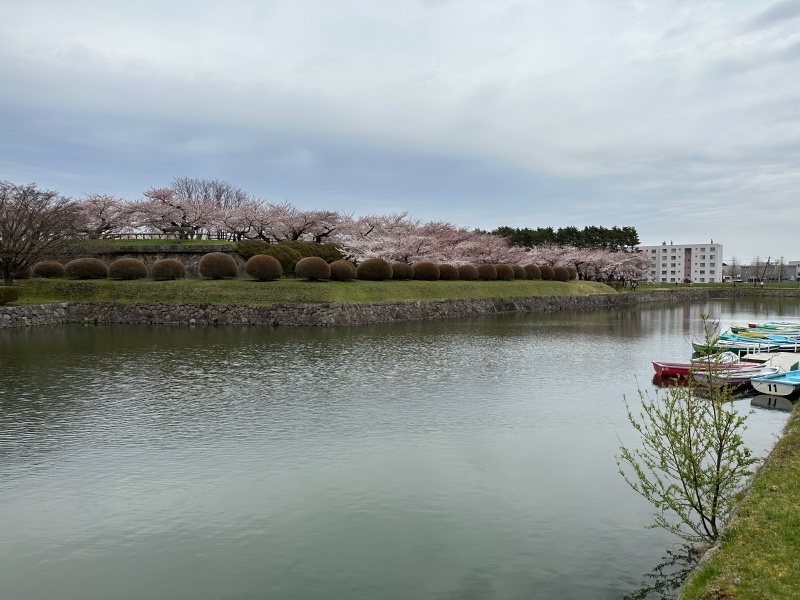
<point>464,459</point>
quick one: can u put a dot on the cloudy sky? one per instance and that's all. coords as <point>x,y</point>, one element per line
<point>681,119</point>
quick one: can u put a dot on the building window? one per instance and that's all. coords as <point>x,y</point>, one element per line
<point>672,272</point>
<point>664,250</point>
<point>703,279</point>
<point>673,250</point>
<point>672,265</point>
<point>712,257</point>
<point>702,264</point>
<point>713,248</point>
<point>703,257</point>
<point>702,249</point>
<point>702,273</point>
<point>672,279</point>
<point>712,271</point>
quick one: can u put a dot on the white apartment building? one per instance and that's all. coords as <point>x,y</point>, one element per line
<point>677,263</point>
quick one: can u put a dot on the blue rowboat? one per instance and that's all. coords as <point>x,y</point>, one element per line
<point>779,384</point>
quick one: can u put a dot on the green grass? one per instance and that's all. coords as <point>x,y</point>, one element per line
<point>292,291</point>
<point>760,552</point>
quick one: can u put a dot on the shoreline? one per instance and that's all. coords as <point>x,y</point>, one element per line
<point>335,314</point>
<point>319,315</point>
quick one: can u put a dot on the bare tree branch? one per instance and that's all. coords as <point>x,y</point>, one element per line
<point>34,225</point>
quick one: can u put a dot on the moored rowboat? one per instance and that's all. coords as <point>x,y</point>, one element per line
<point>723,360</point>
<point>735,378</point>
<point>779,384</point>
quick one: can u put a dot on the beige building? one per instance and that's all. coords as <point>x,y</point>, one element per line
<point>679,263</point>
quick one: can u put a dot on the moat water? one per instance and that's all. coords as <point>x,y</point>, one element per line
<point>466,459</point>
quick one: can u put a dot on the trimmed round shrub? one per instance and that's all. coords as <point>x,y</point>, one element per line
<point>448,272</point>
<point>504,272</point>
<point>486,272</point>
<point>573,273</point>
<point>547,272</point>
<point>313,268</point>
<point>519,272</point>
<point>8,294</point>
<point>342,270</point>
<point>561,273</point>
<point>127,268</point>
<point>86,268</point>
<point>167,269</point>
<point>374,269</point>
<point>48,269</point>
<point>533,272</point>
<point>426,271</point>
<point>401,270</point>
<point>218,265</point>
<point>468,272</point>
<point>263,267</point>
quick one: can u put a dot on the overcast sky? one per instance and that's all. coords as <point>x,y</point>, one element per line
<point>681,119</point>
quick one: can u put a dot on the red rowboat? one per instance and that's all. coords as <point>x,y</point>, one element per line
<point>726,360</point>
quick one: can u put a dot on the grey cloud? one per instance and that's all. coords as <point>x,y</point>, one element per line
<point>775,13</point>
<point>483,114</point>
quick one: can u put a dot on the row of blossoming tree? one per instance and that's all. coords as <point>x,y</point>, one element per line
<point>215,210</point>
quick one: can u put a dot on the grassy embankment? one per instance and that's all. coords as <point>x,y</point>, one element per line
<point>288,291</point>
<point>292,291</point>
<point>760,552</point>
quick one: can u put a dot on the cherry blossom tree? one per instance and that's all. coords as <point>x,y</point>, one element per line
<point>103,215</point>
<point>162,211</point>
<point>397,237</point>
<point>234,221</point>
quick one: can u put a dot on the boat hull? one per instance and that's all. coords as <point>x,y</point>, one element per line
<point>737,378</point>
<point>780,384</point>
<point>725,360</point>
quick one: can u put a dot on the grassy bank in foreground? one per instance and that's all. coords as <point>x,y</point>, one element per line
<point>291,291</point>
<point>760,553</point>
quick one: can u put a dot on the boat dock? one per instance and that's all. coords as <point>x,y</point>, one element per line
<point>784,360</point>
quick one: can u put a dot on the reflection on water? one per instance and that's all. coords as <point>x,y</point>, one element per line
<point>663,582</point>
<point>454,459</point>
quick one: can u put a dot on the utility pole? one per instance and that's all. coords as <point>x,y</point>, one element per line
<point>764,272</point>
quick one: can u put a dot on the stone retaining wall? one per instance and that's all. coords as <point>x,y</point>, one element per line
<point>189,255</point>
<point>329,315</point>
<point>38,314</point>
<point>318,315</point>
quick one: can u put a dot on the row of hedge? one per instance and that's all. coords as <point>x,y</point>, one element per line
<point>94,268</point>
<point>265,267</point>
<point>379,269</point>
<point>289,253</point>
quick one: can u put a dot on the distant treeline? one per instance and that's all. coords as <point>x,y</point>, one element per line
<point>615,239</point>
